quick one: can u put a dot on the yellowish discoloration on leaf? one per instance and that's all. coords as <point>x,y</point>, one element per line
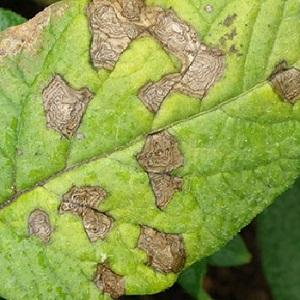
<point>26,36</point>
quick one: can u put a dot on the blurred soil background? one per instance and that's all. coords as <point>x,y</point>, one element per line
<point>242,283</point>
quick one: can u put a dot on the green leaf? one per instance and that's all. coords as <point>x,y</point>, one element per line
<point>9,18</point>
<point>235,253</point>
<point>71,128</point>
<point>192,280</point>
<point>279,240</point>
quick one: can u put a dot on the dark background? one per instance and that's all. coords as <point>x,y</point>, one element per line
<point>243,283</point>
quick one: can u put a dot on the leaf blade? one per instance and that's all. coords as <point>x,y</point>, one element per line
<point>240,152</point>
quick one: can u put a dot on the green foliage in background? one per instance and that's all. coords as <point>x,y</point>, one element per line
<point>279,238</point>
<point>233,254</point>
<point>9,18</point>
<point>241,146</point>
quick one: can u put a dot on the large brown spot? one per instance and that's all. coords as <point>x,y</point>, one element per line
<point>39,225</point>
<point>109,282</point>
<point>164,186</point>
<point>64,106</point>
<point>112,32</point>
<point>202,74</point>
<point>286,82</point>
<point>78,198</point>
<point>84,202</point>
<point>160,153</point>
<point>154,93</point>
<point>176,36</point>
<point>165,251</point>
<point>96,224</point>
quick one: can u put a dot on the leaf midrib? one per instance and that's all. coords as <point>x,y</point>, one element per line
<point>125,146</point>
<point>117,149</point>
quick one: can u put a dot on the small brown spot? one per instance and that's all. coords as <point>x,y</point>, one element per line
<point>164,186</point>
<point>208,8</point>
<point>39,225</point>
<point>232,34</point>
<point>154,93</point>
<point>286,82</point>
<point>160,153</point>
<point>109,282</point>
<point>78,198</point>
<point>233,49</point>
<point>206,69</point>
<point>165,251</point>
<point>222,40</point>
<point>64,106</point>
<point>229,20</point>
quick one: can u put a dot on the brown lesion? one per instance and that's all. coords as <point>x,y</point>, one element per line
<point>64,106</point>
<point>154,93</point>
<point>176,36</point>
<point>114,24</point>
<point>165,251</point>
<point>84,202</point>
<point>286,82</point>
<point>159,157</point>
<point>96,224</point>
<point>201,75</point>
<point>160,154</point>
<point>164,186</point>
<point>108,282</point>
<point>112,31</point>
<point>39,225</point>
<point>78,198</point>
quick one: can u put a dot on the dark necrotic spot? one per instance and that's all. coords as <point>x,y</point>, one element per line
<point>165,251</point>
<point>78,198</point>
<point>39,225</point>
<point>154,93</point>
<point>109,282</point>
<point>96,224</point>
<point>229,20</point>
<point>64,106</point>
<point>164,186</point>
<point>286,82</point>
<point>160,153</point>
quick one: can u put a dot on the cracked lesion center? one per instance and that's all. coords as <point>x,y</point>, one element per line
<point>165,252</point>
<point>39,225</point>
<point>64,106</point>
<point>286,82</point>
<point>159,157</point>
<point>84,202</point>
<point>109,282</point>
